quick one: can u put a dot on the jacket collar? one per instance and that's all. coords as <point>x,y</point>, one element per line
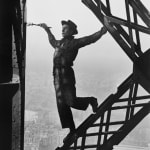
<point>68,38</point>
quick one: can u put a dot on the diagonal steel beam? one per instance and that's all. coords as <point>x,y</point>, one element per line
<point>141,10</point>
<point>112,30</point>
<point>122,32</point>
<point>118,137</point>
<point>125,23</point>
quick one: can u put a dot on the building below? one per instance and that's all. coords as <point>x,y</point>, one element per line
<point>127,147</point>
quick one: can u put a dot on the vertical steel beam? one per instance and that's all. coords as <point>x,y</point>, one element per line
<point>133,99</point>
<point>23,63</point>
<point>107,124</point>
<point>19,26</point>
<point>129,23</point>
<point>108,6</point>
<point>83,141</point>
<point>100,131</point>
<point>129,103</point>
<point>138,49</point>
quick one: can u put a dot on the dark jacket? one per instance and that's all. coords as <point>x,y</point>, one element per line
<point>66,49</point>
<point>65,53</point>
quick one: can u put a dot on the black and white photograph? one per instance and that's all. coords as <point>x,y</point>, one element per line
<point>75,75</point>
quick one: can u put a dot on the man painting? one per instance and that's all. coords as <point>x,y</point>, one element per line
<point>65,53</point>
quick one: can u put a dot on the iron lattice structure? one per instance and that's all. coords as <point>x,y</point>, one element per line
<point>102,130</point>
<point>18,66</point>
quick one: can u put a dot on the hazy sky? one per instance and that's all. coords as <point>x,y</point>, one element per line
<point>105,52</point>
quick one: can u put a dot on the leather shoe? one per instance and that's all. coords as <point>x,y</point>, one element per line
<point>68,135</point>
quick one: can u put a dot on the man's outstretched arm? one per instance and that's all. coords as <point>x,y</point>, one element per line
<point>81,42</point>
<point>51,37</point>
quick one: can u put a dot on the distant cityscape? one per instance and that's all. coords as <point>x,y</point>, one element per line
<point>40,135</point>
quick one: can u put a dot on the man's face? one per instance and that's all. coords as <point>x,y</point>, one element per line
<point>66,30</point>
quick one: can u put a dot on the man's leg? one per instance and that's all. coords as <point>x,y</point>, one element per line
<point>80,103</point>
<point>64,110</point>
<point>69,97</point>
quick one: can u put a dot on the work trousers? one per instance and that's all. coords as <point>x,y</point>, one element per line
<point>64,83</point>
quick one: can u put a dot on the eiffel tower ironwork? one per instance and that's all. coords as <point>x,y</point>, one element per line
<point>101,131</point>
<point>104,130</point>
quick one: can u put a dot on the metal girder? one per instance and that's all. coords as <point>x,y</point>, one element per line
<point>126,128</point>
<point>19,46</point>
<point>125,23</point>
<point>141,10</point>
<point>121,31</point>
<point>110,27</point>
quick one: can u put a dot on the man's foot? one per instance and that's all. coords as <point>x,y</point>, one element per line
<point>68,135</point>
<point>94,104</point>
